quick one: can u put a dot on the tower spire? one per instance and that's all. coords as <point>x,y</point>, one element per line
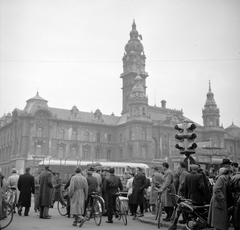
<point>210,86</point>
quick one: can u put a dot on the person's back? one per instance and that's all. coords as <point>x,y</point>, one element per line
<point>92,183</point>
<point>113,183</point>
<point>194,188</point>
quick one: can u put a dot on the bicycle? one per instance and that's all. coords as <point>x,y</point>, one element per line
<point>95,208</point>
<point>6,214</point>
<point>11,194</point>
<point>158,208</point>
<point>121,209</point>
<point>62,203</point>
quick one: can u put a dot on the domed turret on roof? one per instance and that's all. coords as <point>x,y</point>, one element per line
<point>35,103</point>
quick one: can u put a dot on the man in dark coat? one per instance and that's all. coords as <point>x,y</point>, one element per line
<point>92,187</point>
<point>236,206</point>
<point>26,186</point>
<point>194,188</point>
<point>45,193</point>
<point>113,184</point>
<point>139,184</point>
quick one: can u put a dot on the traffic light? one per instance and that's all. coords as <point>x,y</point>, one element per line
<point>186,137</point>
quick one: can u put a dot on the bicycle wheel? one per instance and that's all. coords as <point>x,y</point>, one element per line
<point>159,214</point>
<point>97,212</point>
<point>62,206</point>
<point>123,213</point>
<point>118,210</point>
<point>7,215</point>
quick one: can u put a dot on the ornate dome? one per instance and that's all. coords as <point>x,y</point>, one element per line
<point>134,44</point>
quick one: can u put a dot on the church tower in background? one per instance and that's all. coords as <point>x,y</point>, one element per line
<point>133,65</point>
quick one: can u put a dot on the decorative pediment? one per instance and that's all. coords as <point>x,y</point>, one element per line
<point>39,142</point>
<point>61,143</point>
<point>98,117</point>
<point>75,144</point>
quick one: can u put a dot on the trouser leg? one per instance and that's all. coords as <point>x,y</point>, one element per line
<point>26,211</point>
<point>141,209</point>
<point>110,207</point>
<point>45,212</point>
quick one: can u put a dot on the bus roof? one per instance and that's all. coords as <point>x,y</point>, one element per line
<point>89,163</point>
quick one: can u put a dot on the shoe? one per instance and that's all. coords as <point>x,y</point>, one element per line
<point>141,215</point>
<point>167,219</point>
<point>182,222</point>
<point>116,215</point>
<point>47,217</point>
<point>74,223</point>
<point>134,218</point>
<point>19,212</point>
<point>26,215</point>
<point>109,221</point>
<point>82,221</point>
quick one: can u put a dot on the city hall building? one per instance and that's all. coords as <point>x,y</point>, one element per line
<point>143,133</point>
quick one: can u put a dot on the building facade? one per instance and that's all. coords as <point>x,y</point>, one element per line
<point>142,133</point>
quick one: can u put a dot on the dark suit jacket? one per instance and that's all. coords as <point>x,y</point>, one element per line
<point>92,184</point>
<point>194,188</point>
<point>26,186</point>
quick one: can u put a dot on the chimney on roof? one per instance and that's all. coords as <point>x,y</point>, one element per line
<point>112,114</point>
<point>163,102</point>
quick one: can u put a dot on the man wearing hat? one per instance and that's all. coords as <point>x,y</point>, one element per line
<point>113,184</point>
<point>236,206</point>
<point>226,163</point>
<point>157,180</point>
<point>98,177</point>
<point>92,186</point>
<point>45,193</point>
<point>234,168</point>
<point>194,187</point>
<point>12,182</point>
<point>105,174</point>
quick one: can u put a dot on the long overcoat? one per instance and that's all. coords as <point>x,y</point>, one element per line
<point>218,215</point>
<point>78,191</point>
<point>57,189</point>
<point>26,186</point>
<point>236,206</point>
<point>157,180</point>
<point>138,185</point>
<point>194,187</point>
<point>167,189</point>
<point>45,189</point>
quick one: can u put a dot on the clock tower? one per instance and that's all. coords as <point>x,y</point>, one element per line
<point>210,112</point>
<point>133,65</point>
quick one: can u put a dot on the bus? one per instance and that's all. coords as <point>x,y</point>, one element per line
<point>66,169</point>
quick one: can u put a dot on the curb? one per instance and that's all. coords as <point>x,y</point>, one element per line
<point>163,224</point>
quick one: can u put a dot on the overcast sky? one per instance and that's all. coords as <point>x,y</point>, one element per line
<point>71,52</point>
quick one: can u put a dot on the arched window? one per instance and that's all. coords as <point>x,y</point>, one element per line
<point>98,137</point>
<point>74,135</point>
<point>86,136</point>
<point>61,152</point>
<point>61,134</point>
<point>97,153</point>
<point>39,150</point>
<point>39,132</point>
<point>74,152</point>
<point>144,153</point>
<point>86,153</point>
<point>109,154</point>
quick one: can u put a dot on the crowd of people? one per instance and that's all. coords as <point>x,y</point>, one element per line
<point>220,189</point>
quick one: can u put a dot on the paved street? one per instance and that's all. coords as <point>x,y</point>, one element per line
<point>57,222</point>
